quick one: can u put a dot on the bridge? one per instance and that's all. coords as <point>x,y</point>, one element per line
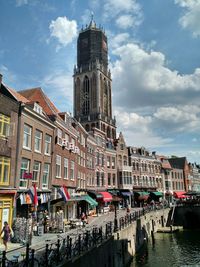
<point>186,214</point>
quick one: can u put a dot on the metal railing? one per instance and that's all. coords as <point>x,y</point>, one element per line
<point>71,246</point>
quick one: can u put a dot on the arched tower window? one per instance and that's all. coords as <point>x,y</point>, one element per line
<point>77,95</point>
<point>86,96</point>
<point>94,91</point>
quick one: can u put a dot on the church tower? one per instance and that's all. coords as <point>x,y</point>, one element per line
<point>92,82</point>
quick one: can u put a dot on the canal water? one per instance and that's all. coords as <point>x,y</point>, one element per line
<point>179,249</point>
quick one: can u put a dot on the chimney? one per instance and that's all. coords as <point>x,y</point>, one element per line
<point>1,78</point>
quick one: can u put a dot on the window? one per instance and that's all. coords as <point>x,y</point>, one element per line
<point>72,170</point>
<point>27,136</point>
<point>58,166</point>
<point>108,162</point>
<point>38,141</point>
<point>25,165</point>
<point>4,170</point>
<point>4,125</point>
<point>113,163</point>
<point>59,136</point>
<point>45,177</point>
<point>65,168</point>
<point>47,145</point>
<point>109,179</point>
<point>36,171</point>
<point>113,179</point>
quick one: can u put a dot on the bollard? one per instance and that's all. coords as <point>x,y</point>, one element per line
<point>46,254</point>
<point>4,259</point>
<point>58,251</point>
<point>79,244</point>
<point>27,255</point>
<point>70,248</point>
<point>32,257</point>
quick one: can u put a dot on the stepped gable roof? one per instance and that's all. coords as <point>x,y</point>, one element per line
<point>16,95</point>
<point>37,95</point>
<point>177,163</point>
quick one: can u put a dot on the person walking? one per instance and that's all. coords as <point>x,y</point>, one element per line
<point>6,234</point>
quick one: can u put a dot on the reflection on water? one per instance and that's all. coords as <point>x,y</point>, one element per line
<point>174,250</point>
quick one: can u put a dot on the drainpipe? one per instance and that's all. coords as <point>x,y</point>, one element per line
<point>18,137</point>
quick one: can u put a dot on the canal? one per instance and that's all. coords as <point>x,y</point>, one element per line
<point>174,250</point>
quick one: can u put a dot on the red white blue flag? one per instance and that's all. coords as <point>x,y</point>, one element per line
<point>33,194</point>
<point>64,193</point>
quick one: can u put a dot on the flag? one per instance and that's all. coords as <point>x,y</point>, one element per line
<point>33,194</point>
<point>64,193</point>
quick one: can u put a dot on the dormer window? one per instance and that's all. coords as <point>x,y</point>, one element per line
<point>37,108</point>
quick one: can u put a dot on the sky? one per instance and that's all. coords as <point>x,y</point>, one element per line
<point>154,60</point>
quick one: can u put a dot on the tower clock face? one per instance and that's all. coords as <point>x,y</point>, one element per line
<point>84,42</point>
<point>104,45</point>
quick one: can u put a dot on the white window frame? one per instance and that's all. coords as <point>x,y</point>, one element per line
<point>46,174</point>
<point>27,137</point>
<point>72,165</point>
<point>38,141</point>
<point>66,168</point>
<point>47,144</point>
<point>24,182</point>
<point>59,136</point>
<point>58,166</point>
<point>36,171</point>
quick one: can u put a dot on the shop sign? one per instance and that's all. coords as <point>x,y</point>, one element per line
<point>27,175</point>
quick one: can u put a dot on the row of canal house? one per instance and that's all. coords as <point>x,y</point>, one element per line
<point>42,146</point>
<point>47,148</point>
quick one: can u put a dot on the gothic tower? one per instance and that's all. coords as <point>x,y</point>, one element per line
<point>92,82</point>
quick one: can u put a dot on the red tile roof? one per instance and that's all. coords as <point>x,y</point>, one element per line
<point>17,96</point>
<point>37,95</point>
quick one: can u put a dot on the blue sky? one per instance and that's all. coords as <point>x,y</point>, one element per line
<point>153,56</point>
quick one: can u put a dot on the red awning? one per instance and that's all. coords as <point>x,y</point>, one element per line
<point>107,197</point>
<point>179,194</point>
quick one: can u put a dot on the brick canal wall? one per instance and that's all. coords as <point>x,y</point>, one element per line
<point>120,248</point>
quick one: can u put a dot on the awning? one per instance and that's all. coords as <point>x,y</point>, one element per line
<point>89,200</point>
<point>142,195</point>
<point>113,192</point>
<point>95,194</point>
<point>126,193</point>
<point>156,193</point>
<point>107,197</point>
<point>179,194</point>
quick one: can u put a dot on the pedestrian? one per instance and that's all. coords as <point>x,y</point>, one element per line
<point>6,234</point>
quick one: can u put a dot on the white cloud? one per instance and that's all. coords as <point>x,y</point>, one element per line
<point>127,12</point>
<point>191,18</point>
<point>148,81</point>
<point>60,83</point>
<point>119,39</point>
<point>125,21</point>
<point>21,2</point>
<point>138,130</point>
<point>64,30</point>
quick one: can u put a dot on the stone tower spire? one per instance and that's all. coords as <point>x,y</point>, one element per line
<point>92,81</point>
